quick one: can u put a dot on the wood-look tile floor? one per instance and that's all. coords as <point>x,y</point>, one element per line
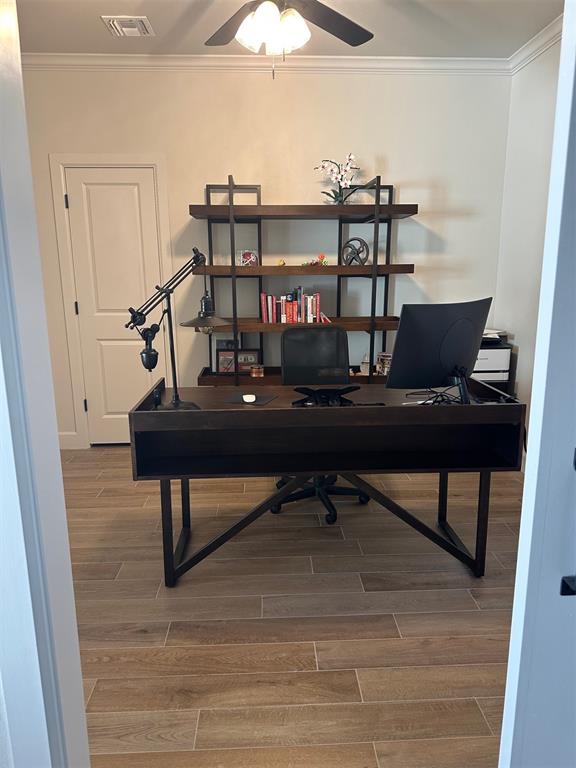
<point>296,645</point>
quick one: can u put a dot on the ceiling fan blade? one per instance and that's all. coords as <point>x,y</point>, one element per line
<point>228,30</point>
<point>331,21</point>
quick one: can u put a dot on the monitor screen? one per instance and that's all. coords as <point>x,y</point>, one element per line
<point>434,341</point>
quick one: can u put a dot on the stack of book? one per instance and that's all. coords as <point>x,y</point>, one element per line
<point>294,307</point>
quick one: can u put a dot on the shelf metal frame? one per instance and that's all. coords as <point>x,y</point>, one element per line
<point>231,189</point>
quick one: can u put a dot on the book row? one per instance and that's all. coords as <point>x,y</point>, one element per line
<point>294,307</point>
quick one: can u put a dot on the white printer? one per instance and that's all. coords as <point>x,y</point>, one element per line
<point>493,362</point>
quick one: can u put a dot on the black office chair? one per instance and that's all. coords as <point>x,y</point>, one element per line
<point>317,356</point>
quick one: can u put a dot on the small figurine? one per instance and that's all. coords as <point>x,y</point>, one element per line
<point>321,261</point>
<point>355,251</point>
<point>281,262</point>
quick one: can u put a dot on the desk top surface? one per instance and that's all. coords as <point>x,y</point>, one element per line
<point>216,399</point>
<point>224,436</point>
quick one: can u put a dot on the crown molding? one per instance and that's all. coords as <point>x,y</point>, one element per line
<point>535,47</point>
<point>302,65</point>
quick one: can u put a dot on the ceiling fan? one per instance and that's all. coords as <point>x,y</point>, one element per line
<point>281,26</point>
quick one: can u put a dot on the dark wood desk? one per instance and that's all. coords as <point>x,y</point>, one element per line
<point>380,435</point>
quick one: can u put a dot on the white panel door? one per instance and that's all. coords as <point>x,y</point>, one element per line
<point>116,252</point>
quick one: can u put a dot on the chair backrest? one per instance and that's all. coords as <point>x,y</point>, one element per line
<point>315,355</point>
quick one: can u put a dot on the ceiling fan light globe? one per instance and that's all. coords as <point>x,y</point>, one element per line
<point>295,31</point>
<point>248,34</point>
<point>275,44</point>
<point>266,19</point>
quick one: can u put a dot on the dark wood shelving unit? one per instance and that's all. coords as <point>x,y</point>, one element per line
<point>272,377</point>
<point>380,212</point>
<point>350,214</point>
<point>255,325</point>
<point>221,270</point>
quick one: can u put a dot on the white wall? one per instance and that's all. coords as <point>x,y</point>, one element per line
<point>529,147</point>
<point>441,139</point>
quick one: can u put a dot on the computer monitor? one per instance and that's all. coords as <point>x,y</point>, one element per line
<point>437,344</point>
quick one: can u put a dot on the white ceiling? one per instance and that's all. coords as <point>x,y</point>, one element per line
<point>438,28</point>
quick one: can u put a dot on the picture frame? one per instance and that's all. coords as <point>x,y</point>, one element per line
<point>246,359</point>
<point>225,344</point>
<point>247,258</point>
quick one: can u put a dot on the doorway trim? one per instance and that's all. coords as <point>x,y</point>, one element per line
<point>79,438</point>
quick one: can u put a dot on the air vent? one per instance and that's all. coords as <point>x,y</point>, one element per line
<point>128,26</point>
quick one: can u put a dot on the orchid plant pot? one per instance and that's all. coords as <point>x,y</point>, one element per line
<point>340,174</point>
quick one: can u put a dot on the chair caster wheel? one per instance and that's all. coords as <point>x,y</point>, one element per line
<point>281,483</point>
<point>331,518</point>
<point>276,509</point>
<point>363,498</point>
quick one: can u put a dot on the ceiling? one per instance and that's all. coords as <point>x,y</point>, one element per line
<point>437,28</point>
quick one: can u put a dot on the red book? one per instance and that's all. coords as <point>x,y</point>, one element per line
<point>317,307</point>
<point>263,308</point>
<point>273,309</point>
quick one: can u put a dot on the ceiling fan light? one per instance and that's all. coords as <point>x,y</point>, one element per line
<point>266,18</point>
<point>275,42</point>
<point>295,31</point>
<point>249,35</point>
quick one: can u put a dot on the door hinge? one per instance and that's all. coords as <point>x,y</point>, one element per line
<point>76,310</point>
<point>86,405</point>
<point>66,201</point>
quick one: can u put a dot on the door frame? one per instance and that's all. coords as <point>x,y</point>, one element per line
<point>59,163</point>
<point>41,698</point>
<point>538,710</point>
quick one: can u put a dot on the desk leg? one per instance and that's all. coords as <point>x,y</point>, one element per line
<point>185,486</point>
<point>482,523</point>
<point>167,534</point>
<point>450,541</point>
<point>442,498</point>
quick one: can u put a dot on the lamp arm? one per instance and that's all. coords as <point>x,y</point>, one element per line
<point>159,324</point>
<point>138,316</point>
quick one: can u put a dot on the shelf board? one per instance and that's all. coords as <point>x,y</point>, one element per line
<point>276,271</point>
<point>254,325</point>
<point>254,213</point>
<point>272,377</point>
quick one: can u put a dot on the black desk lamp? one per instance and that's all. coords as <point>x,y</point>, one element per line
<point>149,355</point>
<point>206,320</point>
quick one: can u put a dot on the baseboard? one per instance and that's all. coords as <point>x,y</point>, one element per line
<point>72,441</point>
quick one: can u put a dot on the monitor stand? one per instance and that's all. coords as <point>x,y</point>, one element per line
<point>460,380</point>
<point>324,398</point>
<point>457,379</point>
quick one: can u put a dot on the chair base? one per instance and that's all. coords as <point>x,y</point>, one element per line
<point>321,487</point>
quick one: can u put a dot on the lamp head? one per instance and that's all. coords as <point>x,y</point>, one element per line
<point>206,320</point>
